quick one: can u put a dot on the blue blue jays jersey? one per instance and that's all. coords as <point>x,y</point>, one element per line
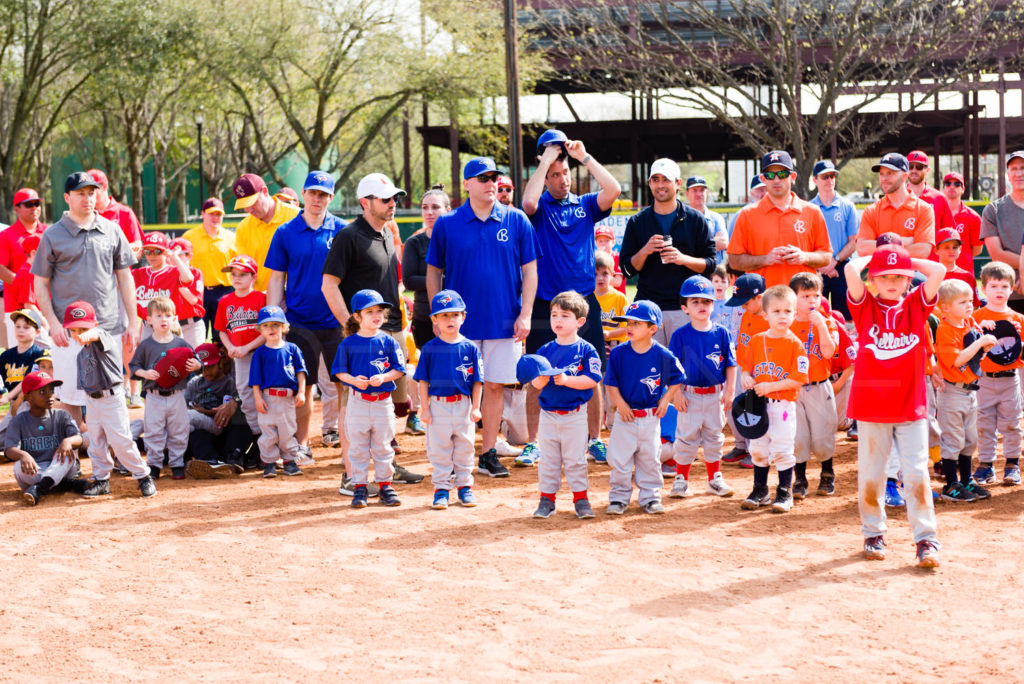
<point>704,356</point>
<point>449,368</point>
<point>368,356</point>
<point>276,367</point>
<point>642,379</point>
<point>579,359</point>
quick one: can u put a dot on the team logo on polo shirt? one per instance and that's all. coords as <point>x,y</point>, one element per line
<point>652,382</point>
<point>799,226</point>
<point>910,223</point>
<point>890,345</point>
<point>382,365</point>
<point>580,212</point>
<point>502,235</point>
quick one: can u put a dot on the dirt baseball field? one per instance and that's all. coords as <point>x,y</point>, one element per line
<point>279,580</point>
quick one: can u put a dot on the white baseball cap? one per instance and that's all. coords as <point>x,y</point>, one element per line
<point>377,185</point>
<point>667,168</point>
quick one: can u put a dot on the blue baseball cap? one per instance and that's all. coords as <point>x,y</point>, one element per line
<point>642,310</point>
<point>894,161</point>
<point>696,182</point>
<point>748,286</point>
<point>777,158</point>
<point>530,366</point>
<point>445,301</point>
<point>475,167</point>
<point>364,299</point>
<point>552,136</point>
<point>756,182</point>
<point>825,165</point>
<point>319,180</point>
<point>697,286</point>
<point>271,314</point>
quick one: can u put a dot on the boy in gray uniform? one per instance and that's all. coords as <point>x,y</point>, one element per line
<point>99,377</point>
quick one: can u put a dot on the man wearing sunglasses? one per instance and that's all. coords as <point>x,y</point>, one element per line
<point>966,221</point>
<point>28,208</point>
<point>917,180</point>
<point>842,221</point>
<point>782,234</point>
<point>505,190</point>
<point>898,211</point>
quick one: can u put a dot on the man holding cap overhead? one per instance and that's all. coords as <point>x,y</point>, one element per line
<point>697,197</point>
<point>27,209</point>
<point>842,223</point>
<point>665,244</point>
<point>782,234</point>
<point>265,215</point>
<point>213,248</point>
<point>121,214</point>
<point>917,181</point>
<point>898,211</point>
<point>966,221</point>
<point>1002,225</point>
<point>486,252</point>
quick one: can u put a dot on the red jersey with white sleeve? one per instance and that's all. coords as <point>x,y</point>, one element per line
<point>123,216</point>
<point>236,316</point>
<point>892,354</point>
<point>846,351</point>
<point>22,291</point>
<point>967,223</point>
<point>150,284</point>
<point>184,309</point>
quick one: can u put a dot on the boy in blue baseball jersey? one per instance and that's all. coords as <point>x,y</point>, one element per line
<point>703,349</point>
<point>642,378</point>
<point>277,375</point>
<point>449,381</point>
<point>369,361</point>
<point>562,432</point>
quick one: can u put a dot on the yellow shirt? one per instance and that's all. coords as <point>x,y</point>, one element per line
<point>210,255</point>
<point>253,238</point>
<point>613,303</point>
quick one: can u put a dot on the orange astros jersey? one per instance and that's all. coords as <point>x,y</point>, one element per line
<point>949,342</point>
<point>750,325</point>
<point>820,368</point>
<point>987,314</point>
<point>770,359</point>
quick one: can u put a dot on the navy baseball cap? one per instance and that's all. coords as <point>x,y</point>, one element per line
<point>697,286</point>
<point>974,363</point>
<point>479,165</point>
<point>748,286</point>
<point>1008,346</point>
<point>79,180</point>
<point>756,183</point>
<point>319,180</point>
<point>825,165</point>
<point>777,158</point>
<point>894,161</point>
<point>750,415</point>
<point>552,136</point>
<point>445,301</point>
<point>641,310</point>
<point>364,299</point>
<point>696,182</point>
<point>271,314</point>
<point>530,366</point>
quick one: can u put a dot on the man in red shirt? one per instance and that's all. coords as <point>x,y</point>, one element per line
<point>917,179</point>
<point>112,210</point>
<point>27,208</point>
<point>966,221</point>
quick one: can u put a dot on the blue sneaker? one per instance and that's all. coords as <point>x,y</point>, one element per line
<point>598,451</point>
<point>985,474</point>
<point>440,500</point>
<point>466,497</point>
<point>530,455</point>
<point>893,495</point>
<point>414,426</point>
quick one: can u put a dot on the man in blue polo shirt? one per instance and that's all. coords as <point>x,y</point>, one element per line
<point>296,260</point>
<point>485,251</point>
<point>842,223</point>
<point>697,197</point>
<point>564,222</point>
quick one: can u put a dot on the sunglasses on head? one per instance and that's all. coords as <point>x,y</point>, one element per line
<point>487,178</point>
<point>772,175</point>
<point>919,167</point>
<point>955,184</point>
<point>382,200</point>
<point>32,204</point>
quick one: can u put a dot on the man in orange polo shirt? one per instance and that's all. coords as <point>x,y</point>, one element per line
<point>782,234</point>
<point>898,211</point>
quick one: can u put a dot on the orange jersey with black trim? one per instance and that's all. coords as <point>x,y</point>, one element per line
<point>949,342</point>
<point>986,314</point>
<point>820,368</point>
<point>750,325</point>
<point>771,359</point>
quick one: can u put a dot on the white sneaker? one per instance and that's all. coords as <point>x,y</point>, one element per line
<point>680,488</point>
<point>718,487</point>
<point>503,448</point>
<point>304,457</point>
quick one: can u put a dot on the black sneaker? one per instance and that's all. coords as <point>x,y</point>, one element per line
<point>96,488</point>
<point>403,476</point>
<point>783,500</point>
<point>388,496</point>
<point>735,456</point>
<point>359,497</point>
<point>800,489</point>
<point>490,465</point>
<point>827,484</point>
<point>958,493</point>
<point>235,461</point>
<point>292,468</point>
<point>178,473</point>
<point>154,472</point>
<point>32,495</point>
<point>760,496</point>
<point>979,492</point>
<point>147,487</point>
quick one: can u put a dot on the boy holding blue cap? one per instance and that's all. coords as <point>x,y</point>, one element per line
<point>449,378</point>
<point>746,294</point>
<point>709,366</point>
<point>277,375</point>
<point>642,378</point>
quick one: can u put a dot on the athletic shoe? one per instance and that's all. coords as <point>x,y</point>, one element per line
<point>388,496</point>
<point>466,497</point>
<point>583,509</point>
<point>198,469</point>
<point>985,474</point>
<point>96,488</point>
<point>440,500</point>
<point>958,493</point>
<point>827,484</point>
<point>292,468</point>
<point>330,439</point>
<point>395,446</point>
<point>851,434</point>
<point>680,488</point>
<point>359,497</point>
<point>414,426</point>
<point>1011,476</point>
<point>668,469</point>
<point>937,471</point>
<point>503,448</point>
<point>178,473</point>
<point>269,470</point>
<point>927,554</point>
<point>615,508</point>
<point>403,476</point>
<point>147,487</point>
<point>598,451</point>
<point>120,469</point>
<point>234,461</point>
<point>978,491</point>
<point>304,456</point>
<point>653,508</point>
<point>747,462</point>
<point>490,465</point>
<point>135,401</point>
<point>545,509</point>
<point>154,472</point>
<point>783,500</point>
<point>735,456</point>
<point>800,489</point>
<point>718,487</point>
<point>759,496</point>
<point>874,548</point>
<point>893,495</point>
<point>32,495</point>
<point>529,456</point>
<point>346,488</point>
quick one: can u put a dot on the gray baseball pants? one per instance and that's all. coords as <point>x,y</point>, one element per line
<point>450,443</point>
<point>166,427</point>
<point>816,423</point>
<point>55,470</point>
<point>370,427</point>
<point>277,429</point>
<point>999,409</point>
<point>108,427</point>
<point>739,441</point>
<point>562,439</point>
<point>201,421</point>
<point>245,392</point>
<point>958,418</point>
<point>699,426</point>
<point>842,402</point>
<point>634,456</point>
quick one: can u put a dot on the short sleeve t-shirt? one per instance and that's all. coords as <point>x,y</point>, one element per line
<point>840,219</point>
<point>565,239</point>
<point>613,303</point>
<point>846,351</point>
<point>819,367</point>
<point>16,365</point>
<point>449,368</point>
<point>577,359</point>
<point>237,316</point>
<point>967,223</point>
<point>148,354</point>
<point>986,314</point>
<point>771,359</point>
<point>949,342</point>
<point>369,356</point>
<point>704,354</point>
<point>363,258</point>
<point>209,394</point>
<point>253,237</point>
<point>40,436</point>
<point>750,325</point>
<point>278,368</point>
<point>642,379</point>
<point>150,284</point>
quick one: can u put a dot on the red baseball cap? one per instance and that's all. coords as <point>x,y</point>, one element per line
<point>505,181</point>
<point>80,314</point>
<point>945,235</point>
<point>156,239</point>
<point>182,245</point>
<point>242,262</point>
<point>604,231</point>
<point>171,366</point>
<point>99,177</point>
<point>917,157</point>
<point>891,260</point>
<point>953,175</point>
<point>287,192</point>
<point>208,354</point>
<point>247,188</point>
<point>38,380</point>
<point>24,195</point>
<point>213,206</point>
<point>30,243</point>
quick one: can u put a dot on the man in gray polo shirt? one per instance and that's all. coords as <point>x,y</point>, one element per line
<point>83,256</point>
